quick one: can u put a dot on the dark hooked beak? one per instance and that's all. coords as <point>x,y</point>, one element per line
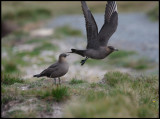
<point>115,49</point>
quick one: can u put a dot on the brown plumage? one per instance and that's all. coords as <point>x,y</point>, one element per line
<point>97,42</point>
<point>56,70</point>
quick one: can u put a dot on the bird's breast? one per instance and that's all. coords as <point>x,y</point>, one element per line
<point>96,54</point>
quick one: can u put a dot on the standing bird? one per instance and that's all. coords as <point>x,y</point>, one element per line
<point>97,42</point>
<point>56,70</point>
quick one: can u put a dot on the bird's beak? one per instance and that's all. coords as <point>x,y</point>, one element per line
<point>115,49</point>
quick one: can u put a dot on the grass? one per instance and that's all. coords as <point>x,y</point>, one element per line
<point>45,46</point>
<point>19,12</point>
<point>60,93</point>
<point>123,94</point>
<point>61,32</point>
<point>121,54</point>
<point>154,13</point>
<point>114,78</point>
<point>37,50</point>
<point>7,79</point>
<point>21,114</point>
<point>10,67</point>
<point>46,93</point>
<point>139,64</point>
<point>76,81</point>
<point>27,15</point>
<point>126,59</point>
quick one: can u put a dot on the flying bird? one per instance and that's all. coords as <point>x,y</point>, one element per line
<point>56,70</point>
<point>97,42</point>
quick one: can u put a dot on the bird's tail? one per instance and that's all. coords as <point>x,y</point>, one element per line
<point>37,75</point>
<point>80,52</point>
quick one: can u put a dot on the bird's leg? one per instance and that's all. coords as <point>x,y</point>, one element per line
<point>59,81</point>
<point>83,61</point>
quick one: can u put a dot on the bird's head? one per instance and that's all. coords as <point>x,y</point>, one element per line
<point>63,56</point>
<point>111,48</point>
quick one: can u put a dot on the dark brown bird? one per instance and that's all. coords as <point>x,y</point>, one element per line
<point>97,42</point>
<point>60,68</point>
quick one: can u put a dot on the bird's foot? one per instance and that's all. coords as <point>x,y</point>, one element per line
<point>82,62</point>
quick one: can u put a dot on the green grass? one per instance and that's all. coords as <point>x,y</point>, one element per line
<point>61,32</point>
<point>76,81</point>
<point>60,93</point>
<point>139,64</point>
<point>121,54</point>
<point>45,46</point>
<point>93,85</point>
<point>47,93</point>
<point>37,50</point>
<point>123,95</point>
<point>114,78</point>
<point>28,15</point>
<point>21,114</point>
<point>154,13</point>
<point>126,59</point>
<point>8,79</point>
<point>10,67</point>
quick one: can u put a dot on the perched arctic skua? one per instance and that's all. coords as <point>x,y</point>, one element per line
<point>60,68</point>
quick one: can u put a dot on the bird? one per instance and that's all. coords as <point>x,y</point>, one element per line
<point>56,70</point>
<point>97,47</point>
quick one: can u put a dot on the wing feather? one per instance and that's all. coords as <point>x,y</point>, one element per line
<point>110,23</point>
<point>91,27</point>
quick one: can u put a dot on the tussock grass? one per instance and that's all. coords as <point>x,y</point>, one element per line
<point>60,93</point>
<point>57,94</point>
<point>123,95</point>
<point>28,15</point>
<point>121,54</point>
<point>47,93</point>
<point>10,67</point>
<point>154,13</point>
<point>126,59</point>
<point>7,79</point>
<point>66,30</point>
<point>37,50</point>
<point>114,78</point>
<point>76,81</point>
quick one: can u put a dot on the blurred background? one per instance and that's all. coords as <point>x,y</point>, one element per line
<point>35,33</point>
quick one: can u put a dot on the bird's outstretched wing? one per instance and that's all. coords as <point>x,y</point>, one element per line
<point>110,23</point>
<point>91,28</point>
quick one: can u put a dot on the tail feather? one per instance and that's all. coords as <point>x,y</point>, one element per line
<point>37,75</point>
<point>80,52</point>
